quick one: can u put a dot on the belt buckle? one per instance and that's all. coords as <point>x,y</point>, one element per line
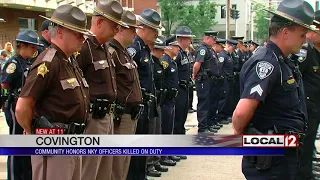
<point>112,108</point>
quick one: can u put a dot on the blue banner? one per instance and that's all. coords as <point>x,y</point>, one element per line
<point>138,151</point>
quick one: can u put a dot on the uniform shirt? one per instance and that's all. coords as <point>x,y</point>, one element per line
<point>58,87</point>
<point>236,62</point>
<point>226,62</point>
<point>208,58</point>
<point>310,69</point>
<point>158,73</point>
<point>183,64</point>
<point>268,78</point>
<point>128,85</point>
<point>99,69</point>
<point>140,53</point>
<point>171,78</point>
<point>243,57</point>
<point>14,72</point>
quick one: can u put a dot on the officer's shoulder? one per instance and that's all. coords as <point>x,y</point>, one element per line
<point>46,57</point>
<point>11,65</point>
<point>263,57</point>
<point>133,49</point>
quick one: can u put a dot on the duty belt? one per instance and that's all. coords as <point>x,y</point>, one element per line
<point>100,107</point>
<point>73,128</point>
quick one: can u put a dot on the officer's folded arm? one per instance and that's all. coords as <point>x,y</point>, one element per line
<point>243,114</point>
<point>196,68</point>
<point>24,112</point>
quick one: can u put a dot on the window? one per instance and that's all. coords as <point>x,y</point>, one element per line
<point>223,11</point>
<point>27,23</point>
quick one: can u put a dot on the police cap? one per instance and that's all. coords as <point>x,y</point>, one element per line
<point>211,33</point>
<point>28,36</point>
<point>222,42</point>
<point>172,41</point>
<point>237,38</point>
<point>184,31</point>
<point>45,24</point>
<point>160,43</point>
<point>232,42</point>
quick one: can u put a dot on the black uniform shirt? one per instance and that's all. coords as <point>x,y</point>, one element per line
<point>226,62</point>
<point>171,78</point>
<point>267,77</point>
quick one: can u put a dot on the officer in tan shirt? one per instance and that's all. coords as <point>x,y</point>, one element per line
<point>129,98</point>
<point>99,70</point>
<point>56,89</point>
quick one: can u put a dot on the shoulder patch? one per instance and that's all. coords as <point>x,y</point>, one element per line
<point>42,70</point>
<point>132,52</point>
<point>164,64</point>
<point>264,69</point>
<point>202,52</point>
<point>11,68</point>
<point>49,55</point>
<point>221,59</point>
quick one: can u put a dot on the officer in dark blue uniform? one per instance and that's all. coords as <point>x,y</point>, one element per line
<point>236,71</point>
<point>225,97</point>
<point>171,83</point>
<point>150,20</point>
<point>44,38</point>
<point>184,36</point>
<point>154,168</point>
<point>309,58</point>
<point>13,77</point>
<point>270,98</point>
<point>206,73</point>
<point>253,46</point>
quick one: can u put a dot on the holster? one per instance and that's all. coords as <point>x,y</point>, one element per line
<point>100,107</point>
<point>262,162</point>
<point>137,111</point>
<point>43,122</point>
<point>118,112</point>
<point>172,93</point>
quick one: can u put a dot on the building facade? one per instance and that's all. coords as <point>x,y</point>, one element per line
<point>24,14</point>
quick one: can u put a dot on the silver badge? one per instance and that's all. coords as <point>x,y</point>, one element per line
<point>132,52</point>
<point>184,61</point>
<point>264,69</point>
<point>302,55</point>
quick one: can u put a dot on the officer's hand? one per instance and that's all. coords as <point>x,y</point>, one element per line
<point>193,77</point>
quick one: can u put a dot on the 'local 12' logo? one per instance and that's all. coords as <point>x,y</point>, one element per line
<point>291,141</point>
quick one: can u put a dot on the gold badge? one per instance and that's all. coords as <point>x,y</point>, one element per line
<point>164,64</point>
<point>290,81</point>
<point>174,58</point>
<point>11,68</point>
<point>42,70</point>
<point>76,54</point>
<point>315,68</point>
<point>71,81</point>
<point>146,60</point>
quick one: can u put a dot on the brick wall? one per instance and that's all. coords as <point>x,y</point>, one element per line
<point>139,5</point>
<point>10,28</point>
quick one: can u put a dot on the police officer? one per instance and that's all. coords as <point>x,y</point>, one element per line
<point>309,67</point>
<point>129,97</point>
<point>99,70</point>
<point>237,60</point>
<point>270,92</point>
<point>44,38</point>
<point>13,78</point>
<point>206,73</point>
<point>56,92</point>
<point>140,52</point>
<point>171,80</point>
<point>191,55</point>
<point>154,168</point>
<point>225,97</point>
<point>253,46</point>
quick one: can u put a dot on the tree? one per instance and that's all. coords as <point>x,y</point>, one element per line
<point>200,17</point>
<point>261,21</point>
<point>171,13</point>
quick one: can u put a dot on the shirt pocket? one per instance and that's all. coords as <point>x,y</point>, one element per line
<point>102,64</point>
<point>291,95</point>
<point>70,83</point>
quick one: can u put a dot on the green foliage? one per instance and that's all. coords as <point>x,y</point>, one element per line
<point>261,21</point>
<point>198,17</point>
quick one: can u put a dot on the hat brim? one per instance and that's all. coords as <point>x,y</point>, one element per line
<point>149,24</point>
<point>185,35</point>
<point>161,47</point>
<point>134,25</point>
<point>29,42</point>
<point>70,26</point>
<point>282,15</point>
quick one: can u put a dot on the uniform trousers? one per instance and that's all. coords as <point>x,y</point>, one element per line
<point>203,106</point>
<point>154,128</point>
<point>236,92</point>
<point>56,167</point>
<point>137,168</point>
<point>18,167</point>
<point>283,167</point>
<point>225,101</point>
<point>98,167</point>
<point>181,110</point>
<point>120,165</point>
<point>168,114</point>
<point>215,86</point>
<point>308,149</point>
<point>190,97</point>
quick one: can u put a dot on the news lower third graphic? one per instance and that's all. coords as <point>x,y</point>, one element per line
<point>145,145</point>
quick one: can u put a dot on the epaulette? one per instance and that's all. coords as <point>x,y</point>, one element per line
<point>49,55</point>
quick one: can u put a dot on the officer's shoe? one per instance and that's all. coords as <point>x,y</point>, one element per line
<point>175,158</point>
<point>211,129</point>
<point>224,122</point>
<point>215,127</point>
<point>160,168</point>
<point>153,172</point>
<point>183,157</point>
<point>205,132</point>
<point>219,124</point>
<point>167,162</point>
